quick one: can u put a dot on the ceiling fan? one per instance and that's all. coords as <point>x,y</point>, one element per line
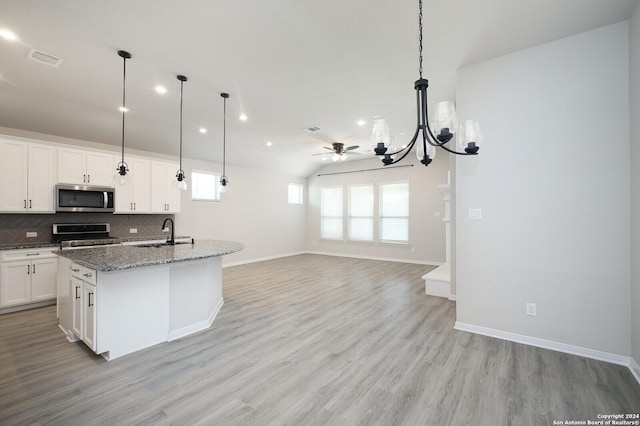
<point>339,152</point>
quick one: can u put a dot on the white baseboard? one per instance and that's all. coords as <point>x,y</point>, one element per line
<point>194,328</point>
<point>635,369</point>
<point>547,344</point>
<point>384,259</point>
<point>261,259</point>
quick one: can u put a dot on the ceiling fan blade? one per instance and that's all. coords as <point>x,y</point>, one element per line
<point>352,147</point>
<point>324,153</point>
<point>328,147</point>
<point>353,153</point>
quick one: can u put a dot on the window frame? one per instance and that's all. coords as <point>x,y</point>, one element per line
<point>216,178</point>
<point>323,216</point>
<point>381,217</point>
<point>300,195</point>
<point>350,216</point>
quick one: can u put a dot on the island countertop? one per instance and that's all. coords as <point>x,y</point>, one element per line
<point>117,257</point>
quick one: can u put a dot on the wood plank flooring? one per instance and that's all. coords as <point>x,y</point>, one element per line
<point>307,340</point>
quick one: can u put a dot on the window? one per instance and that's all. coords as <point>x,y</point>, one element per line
<point>205,186</point>
<point>331,213</point>
<point>361,213</point>
<point>296,193</point>
<point>394,212</point>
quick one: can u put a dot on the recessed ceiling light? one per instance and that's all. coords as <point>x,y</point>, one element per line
<point>269,143</point>
<point>161,89</point>
<point>8,35</point>
<point>203,130</point>
<point>122,109</point>
<point>361,123</point>
<point>243,117</point>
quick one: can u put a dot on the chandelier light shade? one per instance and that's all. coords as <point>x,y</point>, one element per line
<point>428,135</point>
<point>181,182</point>
<point>223,179</point>
<point>122,177</point>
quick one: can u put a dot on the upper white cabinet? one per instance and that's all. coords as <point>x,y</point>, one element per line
<point>27,177</point>
<point>135,197</point>
<point>77,166</point>
<point>165,196</point>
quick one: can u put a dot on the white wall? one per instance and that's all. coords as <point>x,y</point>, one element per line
<point>426,231</point>
<point>634,81</point>
<point>553,184</point>
<point>255,212</point>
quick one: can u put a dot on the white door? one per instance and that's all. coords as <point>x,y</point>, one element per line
<point>42,178</point>
<point>101,168</point>
<point>13,176</point>
<point>43,279</point>
<point>72,166</point>
<point>89,316</point>
<point>15,283</point>
<point>77,307</point>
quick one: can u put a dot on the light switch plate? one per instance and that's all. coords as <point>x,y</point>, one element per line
<point>531,309</point>
<point>133,230</point>
<point>475,214</point>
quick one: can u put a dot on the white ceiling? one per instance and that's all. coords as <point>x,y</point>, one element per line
<point>287,64</point>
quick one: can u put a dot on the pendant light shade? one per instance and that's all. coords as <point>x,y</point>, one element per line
<point>122,177</point>
<point>181,182</point>
<point>223,179</point>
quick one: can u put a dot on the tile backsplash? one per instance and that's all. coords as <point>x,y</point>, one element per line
<point>14,227</point>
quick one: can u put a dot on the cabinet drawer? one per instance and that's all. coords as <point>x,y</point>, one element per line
<point>85,274</point>
<point>27,254</point>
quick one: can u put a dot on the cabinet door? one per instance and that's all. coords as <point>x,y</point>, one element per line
<point>141,183</point>
<point>42,178</point>
<point>15,283</point>
<point>173,193</point>
<point>43,279</point>
<point>101,168</point>
<point>13,176</point>
<point>89,323</point>
<point>158,187</point>
<point>72,164</point>
<point>123,196</point>
<point>77,307</point>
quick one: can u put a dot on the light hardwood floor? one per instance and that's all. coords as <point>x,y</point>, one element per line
<point>307,340</point>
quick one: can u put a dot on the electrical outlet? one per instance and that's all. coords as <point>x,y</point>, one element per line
<point>475,214</point>
<point>531,309</point>
<point>133,230</point>
<point>32,234</point>
<point>165,229</point>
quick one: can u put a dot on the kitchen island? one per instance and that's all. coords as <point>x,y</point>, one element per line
<point>120,299</point>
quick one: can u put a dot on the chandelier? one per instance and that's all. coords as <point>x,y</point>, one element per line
<point>444,125</point>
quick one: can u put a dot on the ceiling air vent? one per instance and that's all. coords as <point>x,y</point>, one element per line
<point>44,58</point>
<point>311,129</point>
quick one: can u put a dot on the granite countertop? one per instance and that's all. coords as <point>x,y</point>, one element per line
<point>117,258</point>
<point>17,246</point>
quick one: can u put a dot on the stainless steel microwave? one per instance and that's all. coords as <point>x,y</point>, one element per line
<point>83,198</point>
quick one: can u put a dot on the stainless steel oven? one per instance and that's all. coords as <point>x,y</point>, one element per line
<point>83,198</point>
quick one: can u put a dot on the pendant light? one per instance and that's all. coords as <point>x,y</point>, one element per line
<point>121,177</point>
<point>181,182</point>
<point>223,179</point>
<point>445,125</point>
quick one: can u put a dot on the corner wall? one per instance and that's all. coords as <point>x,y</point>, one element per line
<point>634,90</point>
<point>426,229</point>
<point>553,182</point>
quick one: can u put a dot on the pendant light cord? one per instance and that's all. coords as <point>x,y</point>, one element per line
<point>181,90</point>
<point>124,104</point>
<point>420,37</point>
<point>224,136</point>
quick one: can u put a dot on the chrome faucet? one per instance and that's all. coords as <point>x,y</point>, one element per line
<point>172,240</point>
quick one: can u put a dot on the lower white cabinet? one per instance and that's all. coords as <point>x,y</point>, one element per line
<point>27,276</point>
<point>83,304</point>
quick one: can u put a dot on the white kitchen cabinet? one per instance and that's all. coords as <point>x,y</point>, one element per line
<point>89,316</point>
<point>27,177</point>
<point>77,166</point>
<point>135,197</point>
<point>27,276</point>
<point>77,289</point>
<point>165,196</point>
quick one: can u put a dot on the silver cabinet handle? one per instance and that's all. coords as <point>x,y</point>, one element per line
<point>25,204</point>
<point>87,275</point>
<point>84,178</point>
<point>75,270</point>
<point>134,206</point>
<point>33,254</point>
<point>33,269</point>
<point>88,178</point>
<point>27,269</point>
<point>90,293</point>
<point>77,288</point>
<point>29,203</point>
